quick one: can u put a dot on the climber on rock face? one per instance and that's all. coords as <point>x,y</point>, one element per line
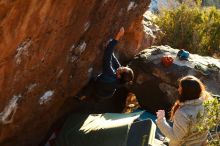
<point>113,74</point>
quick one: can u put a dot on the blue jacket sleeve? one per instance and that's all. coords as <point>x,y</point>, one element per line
<point>107,59</point>
<point>115,62</point>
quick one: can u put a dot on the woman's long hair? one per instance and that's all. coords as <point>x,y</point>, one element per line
<point>191,88</point>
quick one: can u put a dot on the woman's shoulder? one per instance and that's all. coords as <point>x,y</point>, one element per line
<point>191,111</point>
<point>182,112</point>
<point>181,117</point>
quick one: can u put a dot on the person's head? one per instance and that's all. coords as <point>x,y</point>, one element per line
<point>190,88</point>
<point>125,74</point>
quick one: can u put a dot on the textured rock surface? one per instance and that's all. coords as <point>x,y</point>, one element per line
<point>140,35</point>
<point>156,86</point>
<point>48,49</point>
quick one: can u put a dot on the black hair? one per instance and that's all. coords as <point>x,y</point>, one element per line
<point>126,76</point>
<point>191,89</point>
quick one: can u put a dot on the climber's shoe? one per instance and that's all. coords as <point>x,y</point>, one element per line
<point>213,67</point>
<point>156,51</point>
<point>80,98</point>
<point>201,69</point>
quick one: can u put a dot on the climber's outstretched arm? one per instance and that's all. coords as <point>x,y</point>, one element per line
<point>115,63</point>
<point>108,54</point>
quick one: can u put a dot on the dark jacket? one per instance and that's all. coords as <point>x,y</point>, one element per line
<point>107,82</point>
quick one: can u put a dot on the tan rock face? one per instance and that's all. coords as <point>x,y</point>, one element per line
<point>48,49</point>
<point>132,40</point>
<point>141,34</point>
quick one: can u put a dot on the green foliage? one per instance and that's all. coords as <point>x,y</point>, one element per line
<point>192,28</point>
<point>212,117</point>
<point>210,121</point>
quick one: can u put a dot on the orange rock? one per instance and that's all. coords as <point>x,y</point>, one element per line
<point>47,48</point>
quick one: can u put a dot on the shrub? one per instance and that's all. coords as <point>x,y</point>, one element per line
<point>191,27</point>
<point>211,121</point>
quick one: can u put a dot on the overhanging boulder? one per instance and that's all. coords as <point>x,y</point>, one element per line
<point>48,51</point>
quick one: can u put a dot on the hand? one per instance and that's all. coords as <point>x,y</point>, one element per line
<point>160,114</point>
<point>120,33</point>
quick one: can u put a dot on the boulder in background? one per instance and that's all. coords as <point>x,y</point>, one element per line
<point>155,85</point>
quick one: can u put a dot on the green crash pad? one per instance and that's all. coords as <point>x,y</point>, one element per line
<point>108,129</point>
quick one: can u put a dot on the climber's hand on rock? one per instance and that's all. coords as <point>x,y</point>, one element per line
<point>120,33</point>
<point>160,114</point>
